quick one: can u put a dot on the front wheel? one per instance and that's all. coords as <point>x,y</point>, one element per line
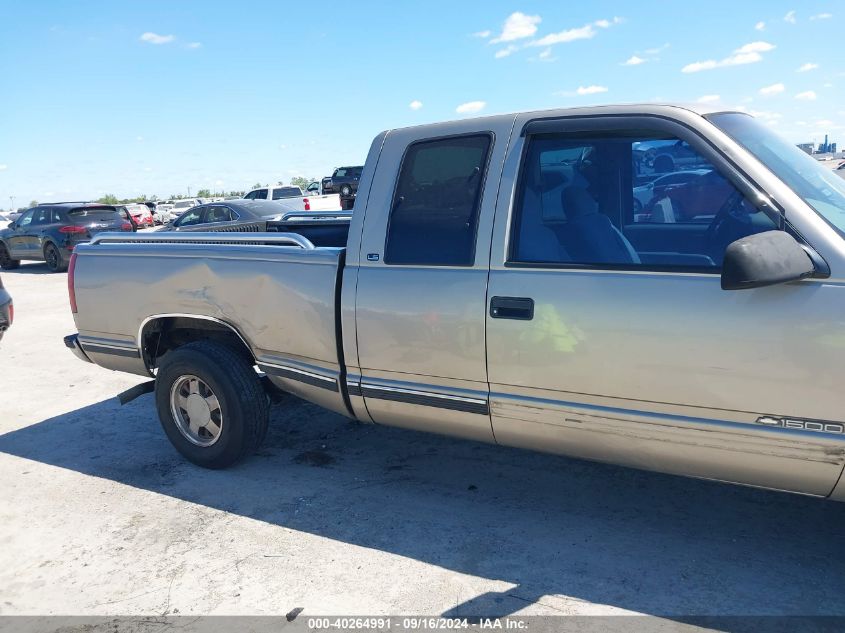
<point>211,404</point>
<point>346,191</point>
<point>6,261</point>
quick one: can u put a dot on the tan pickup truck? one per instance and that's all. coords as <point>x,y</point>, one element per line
<point>502,282</point>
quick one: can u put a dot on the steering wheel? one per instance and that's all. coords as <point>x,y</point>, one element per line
<point>717,226</point>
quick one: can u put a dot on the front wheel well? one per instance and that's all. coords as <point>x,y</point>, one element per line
<point>165,334</point>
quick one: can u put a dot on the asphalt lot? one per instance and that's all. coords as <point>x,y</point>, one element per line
<point>99,515</point>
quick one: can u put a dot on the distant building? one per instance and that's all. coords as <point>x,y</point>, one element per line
<point>826,148</point>
<point>807,147</point>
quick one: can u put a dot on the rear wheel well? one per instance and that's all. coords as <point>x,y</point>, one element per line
<point>165,334</point>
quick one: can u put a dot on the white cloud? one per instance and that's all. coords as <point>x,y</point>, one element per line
<point>808,66</point>
<point>155,38</point>
<point>570,35</point>
<point>517,26</point>
<point>772,90</point>
<point>633,60</point>
<point>470,107</point>
<point>415,104</point>
<point>789,17</point>
<point>506,51</point>
<point>482,34</point>
<point>809,95</point>
<point>148,168</point>
<point>3,167</point>
<point>194,45</point>
<point>755,47</point>
<point>708,99</point>
<point>585,32</point>
<point>218,182</point>
<point>760,26</point>
<point>546,53</point>
<point>746,54</point>
<point>824,122</point>
<point>657,50</point>
<point>821,16</point>
<point>140,139</point>
<point>590,90</point>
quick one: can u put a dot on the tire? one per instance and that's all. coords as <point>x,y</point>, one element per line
<point>240,418</point>
<point>346,191</point>
<point>53,257</point>
<point>6,261</point>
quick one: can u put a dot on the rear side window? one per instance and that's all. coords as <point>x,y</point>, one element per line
<point>286,192</point>
<point>260,194</point>
<point>434,213</point>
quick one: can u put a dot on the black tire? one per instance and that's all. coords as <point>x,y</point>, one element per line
<point>6,261</point>
<point>244,406</point>
<point>53,257</point>
<point>346,191</point>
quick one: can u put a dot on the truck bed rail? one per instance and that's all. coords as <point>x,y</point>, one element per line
<point>206,237</point>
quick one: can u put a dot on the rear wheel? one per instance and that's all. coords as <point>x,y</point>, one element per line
<point>211,404</point>
<point>54,258</point>
<point>346,191</point>
<point>6,261</point>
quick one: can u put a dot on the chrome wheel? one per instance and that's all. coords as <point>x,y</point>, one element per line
<point>196,410</point>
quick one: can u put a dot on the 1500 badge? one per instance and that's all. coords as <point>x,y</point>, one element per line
<point>804,425</point>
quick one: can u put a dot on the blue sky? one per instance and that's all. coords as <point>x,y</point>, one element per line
<point>155,97</point>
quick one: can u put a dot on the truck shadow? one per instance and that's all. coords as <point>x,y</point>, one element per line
<point>548,526</point>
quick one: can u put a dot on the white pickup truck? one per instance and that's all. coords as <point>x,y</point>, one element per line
<point>293,198</point>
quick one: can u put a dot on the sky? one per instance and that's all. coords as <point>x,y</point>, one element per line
<point>159,98</point>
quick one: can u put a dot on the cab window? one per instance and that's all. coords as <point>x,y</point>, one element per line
<point>435,206</point>
<point>626,201</point>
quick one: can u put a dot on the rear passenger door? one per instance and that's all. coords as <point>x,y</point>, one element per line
<point>611,339</point>
<point>421,291</point>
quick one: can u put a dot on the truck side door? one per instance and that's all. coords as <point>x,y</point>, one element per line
<point>609,336</point>
<point>421,292</point>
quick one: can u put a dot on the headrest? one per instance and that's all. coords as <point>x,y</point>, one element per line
<point>578,203</point>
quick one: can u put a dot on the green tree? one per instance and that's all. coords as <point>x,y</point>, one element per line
<point>257,185</point>
<point>204,193</point>
<point>33,203</point>
<point>109,199</point>
<point>302,182</point>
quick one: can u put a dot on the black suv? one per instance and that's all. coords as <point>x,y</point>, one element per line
<point>49,232</point>
<point>344,180</point>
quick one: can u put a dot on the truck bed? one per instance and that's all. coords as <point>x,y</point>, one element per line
<point>276,291</point>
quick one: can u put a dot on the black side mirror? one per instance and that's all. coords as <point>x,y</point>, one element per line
<point>765,259</point>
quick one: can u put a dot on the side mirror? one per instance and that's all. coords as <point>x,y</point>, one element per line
<point>765,259</point>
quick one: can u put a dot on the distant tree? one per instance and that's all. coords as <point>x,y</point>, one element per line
<point>109,199</point>
<point>33,203</point>
<point>236,193</point>
<point>302,182</point>
<point>204,193</point>
<point>257,185</point>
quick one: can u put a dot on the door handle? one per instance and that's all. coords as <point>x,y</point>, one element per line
<point>519,308</point>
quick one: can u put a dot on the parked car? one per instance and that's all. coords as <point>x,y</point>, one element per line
<point>5,219</point>
<point>180,206</point>
<point>239,213</point>
<point>50,232</point>
<point>468,304</point>
<point>7,310</point>
<point>291,197</point>
<point>140,213</point>
<point>343,181</point>
<point>657,187</point>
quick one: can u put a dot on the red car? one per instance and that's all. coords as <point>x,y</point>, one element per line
<point>140,213</point>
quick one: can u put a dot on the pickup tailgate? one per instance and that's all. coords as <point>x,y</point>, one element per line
<point>280,299</point>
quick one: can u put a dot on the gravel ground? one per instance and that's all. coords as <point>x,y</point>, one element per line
<point>100,516</point>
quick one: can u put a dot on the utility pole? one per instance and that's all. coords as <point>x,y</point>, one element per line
<point>189,192</point>
<point>12,198</point>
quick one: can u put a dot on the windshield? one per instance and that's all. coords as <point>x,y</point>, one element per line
<point>185,204</point>
<point>819,186</point>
